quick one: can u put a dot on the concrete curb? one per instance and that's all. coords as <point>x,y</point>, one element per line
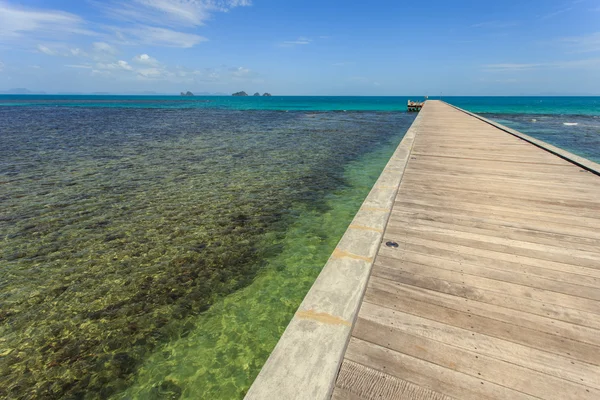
<point>565,155</point>
<point>307,358</point>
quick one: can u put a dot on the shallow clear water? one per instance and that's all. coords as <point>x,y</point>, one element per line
<point>579,134</point>
<point>121,227</point>
<point>156,247</point>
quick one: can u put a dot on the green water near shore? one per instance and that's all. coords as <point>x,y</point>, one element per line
<point>227,346</point>
<point>124,229</point>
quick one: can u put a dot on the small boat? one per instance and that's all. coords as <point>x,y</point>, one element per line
<point>415,106</point>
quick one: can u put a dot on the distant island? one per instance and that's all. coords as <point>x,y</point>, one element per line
<point>188,94</point>
<point>242,93</point>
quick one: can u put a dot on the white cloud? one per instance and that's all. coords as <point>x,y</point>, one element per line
<point>494,24</point>
<point>81,66</point>
<point>145,59</point>
<point>60,50</point>
<point>116,66</point>
<point>124,65</point>
<point>18,21</point>
<point>154,36</point>
<point>565,64</point>
<point>100,72</point>
<point>509,67</point>
<point>78,52</point>
<point>300,41</point>
<point>555,13</point>
<point>343,63</point>
<point>1,66</point>
<point>46,50</point>
<point>240,72</point>
<point>102,47</point>
<point>178,13</point>
<point>150,73</point>
<point>583,44</point>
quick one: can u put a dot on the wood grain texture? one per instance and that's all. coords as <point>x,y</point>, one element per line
<point>493,291</point>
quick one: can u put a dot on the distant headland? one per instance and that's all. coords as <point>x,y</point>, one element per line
<point>188,94</point>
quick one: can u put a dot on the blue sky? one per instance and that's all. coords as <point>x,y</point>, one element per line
<point>290,47</point>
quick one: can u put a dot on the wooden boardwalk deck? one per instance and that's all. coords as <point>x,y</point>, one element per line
<point>494,289</point>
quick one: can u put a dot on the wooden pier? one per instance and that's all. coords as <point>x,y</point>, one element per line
<point>485,282</point>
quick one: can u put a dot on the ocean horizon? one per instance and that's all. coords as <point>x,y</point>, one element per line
<point>157,246</point>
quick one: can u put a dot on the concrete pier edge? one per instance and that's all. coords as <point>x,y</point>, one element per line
<point>565,155</point>
<point>307,358</point>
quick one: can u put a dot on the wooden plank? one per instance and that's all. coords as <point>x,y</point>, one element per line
<point>416,263</point>
<point>527,221</point>
<point>525,356</point>
<point>415,184</point>
<point>491,227</point>
<point>527,203</point>
<point>568,220</point>
<point>509,247</point>
<point>566,347</point>
<point>427,375</point>
<point>556,271</point>
<point>588,193</point>
<point>471,362</point>
<point>535,250</point>
<point>546,173</point>
<point>484,157</point>
<point>567,201</point>
<point>359,382</point>
<point>548,309</point>
<point>397,291</point>
<point>522,203</point>
<point>343,394</point>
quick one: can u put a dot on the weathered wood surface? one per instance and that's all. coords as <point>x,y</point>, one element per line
<point>494,289</point>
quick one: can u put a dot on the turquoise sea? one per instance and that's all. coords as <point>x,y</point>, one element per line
<point>501,105</point>
<point>155,247</point>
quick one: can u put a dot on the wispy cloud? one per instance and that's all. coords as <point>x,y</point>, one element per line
<point>583,44</point>
<point>240,72</point>
<point>173,13</point>
<point>79,66</point>
<point>60,50</point>
<point>556,13</point>
<point>510,67</point>
<point>494,24</point>
<point>300,41</point>
<point>155,36</point>
<point>17,21</point>
<point>343,63</point>
<point>565,64</point>
<point>46,50</point>
<point>149,22</point>
<point>105,48</point>
<point>1,66</point>
<point>138,70</point>
<point>118,65</point>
